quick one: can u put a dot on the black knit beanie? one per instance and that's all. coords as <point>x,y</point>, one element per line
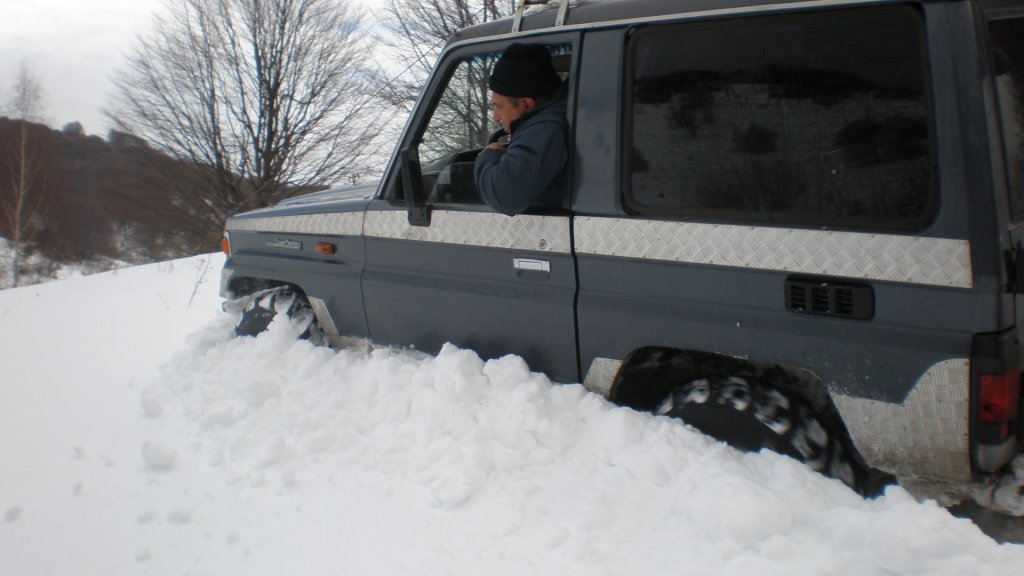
<point>524,70</point>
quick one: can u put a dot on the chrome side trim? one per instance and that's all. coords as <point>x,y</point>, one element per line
<point>330,224</point>
<point>484,229</point>
<point>926,435</point>
<point>911,259</point>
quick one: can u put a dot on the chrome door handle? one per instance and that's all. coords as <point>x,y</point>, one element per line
<point>531,265</point>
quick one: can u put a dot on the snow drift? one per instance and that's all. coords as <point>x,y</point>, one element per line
<point>139,437</point>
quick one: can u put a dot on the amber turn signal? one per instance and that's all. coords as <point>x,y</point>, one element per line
<point>325,248</point>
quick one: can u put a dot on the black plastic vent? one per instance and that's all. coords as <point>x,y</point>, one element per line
<point>827,298</point>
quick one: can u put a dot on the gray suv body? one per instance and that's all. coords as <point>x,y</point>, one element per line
<point>828,196</point>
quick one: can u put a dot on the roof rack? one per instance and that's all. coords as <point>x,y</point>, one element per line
<point>563,9</point>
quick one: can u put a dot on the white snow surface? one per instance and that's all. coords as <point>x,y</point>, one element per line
<point>137,436</point>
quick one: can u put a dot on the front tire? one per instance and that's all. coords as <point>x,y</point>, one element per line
<point>258,310</point>
<point>751,414</point>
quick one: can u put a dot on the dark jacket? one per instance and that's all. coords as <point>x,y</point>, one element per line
<point>529,170</point>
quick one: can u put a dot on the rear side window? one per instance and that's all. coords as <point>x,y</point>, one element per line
<point>1007,38</point>
<point>809,118</point>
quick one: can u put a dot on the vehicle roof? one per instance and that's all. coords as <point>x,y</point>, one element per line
<point>608,11</point>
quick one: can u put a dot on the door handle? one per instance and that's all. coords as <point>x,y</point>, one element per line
<point>531,265</point>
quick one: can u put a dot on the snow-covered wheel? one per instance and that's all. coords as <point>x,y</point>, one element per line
<point>751,415</point>
<point>259,309</point>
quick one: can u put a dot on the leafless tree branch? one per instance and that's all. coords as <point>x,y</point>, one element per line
<point>262,98</point>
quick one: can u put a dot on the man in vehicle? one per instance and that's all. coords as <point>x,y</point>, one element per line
<point>529,102</point>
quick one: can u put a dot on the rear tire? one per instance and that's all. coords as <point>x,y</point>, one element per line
<point>260,309</point>
<point>751,415</point>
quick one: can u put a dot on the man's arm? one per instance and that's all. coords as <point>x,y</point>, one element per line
<point>510,180</point>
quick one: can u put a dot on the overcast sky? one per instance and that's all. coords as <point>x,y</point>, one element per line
<point>73,48</point>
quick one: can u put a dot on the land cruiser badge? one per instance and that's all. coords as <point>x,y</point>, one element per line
<point>285,243</point>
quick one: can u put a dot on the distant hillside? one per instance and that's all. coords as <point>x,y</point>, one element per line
<point>102,199</point>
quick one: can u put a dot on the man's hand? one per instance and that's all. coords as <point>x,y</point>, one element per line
<point>496,146</point>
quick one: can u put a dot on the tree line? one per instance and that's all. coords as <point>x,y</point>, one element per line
<point>222,106</point>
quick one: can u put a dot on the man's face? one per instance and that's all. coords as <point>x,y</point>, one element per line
<point>508,110</point>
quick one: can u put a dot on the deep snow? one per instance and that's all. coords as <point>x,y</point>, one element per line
<point>138,437</point>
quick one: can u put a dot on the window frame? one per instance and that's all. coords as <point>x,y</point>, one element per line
<point>434,90</point>
<point>631,205</point>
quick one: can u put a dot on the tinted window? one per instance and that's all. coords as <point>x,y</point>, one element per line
<point>815,118</point>
<point>1007,37</point>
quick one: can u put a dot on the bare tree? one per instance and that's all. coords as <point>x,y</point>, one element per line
<point>262,98</point>
<point>462,116</point>
<point>416,30</point>
<point>23,193</point>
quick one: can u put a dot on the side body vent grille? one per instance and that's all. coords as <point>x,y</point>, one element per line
<point>812,296</point>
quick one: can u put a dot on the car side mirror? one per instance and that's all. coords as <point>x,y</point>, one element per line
<point>412,185</point>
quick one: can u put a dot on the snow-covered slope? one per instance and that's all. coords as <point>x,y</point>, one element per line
<point>138,437</point>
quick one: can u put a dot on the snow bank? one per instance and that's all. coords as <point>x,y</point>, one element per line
<point>269,456</point>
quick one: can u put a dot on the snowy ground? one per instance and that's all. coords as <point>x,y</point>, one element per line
<point>138,437</point>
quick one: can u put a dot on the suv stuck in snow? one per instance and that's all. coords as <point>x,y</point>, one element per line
<point>795,225</point>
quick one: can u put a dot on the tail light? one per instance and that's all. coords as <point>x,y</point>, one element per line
<point>996,399</point>
<point>999,397</point>
<point>225,244</point>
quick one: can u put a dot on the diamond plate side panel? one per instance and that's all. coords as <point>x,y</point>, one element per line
<point>917,260</point>
<point>601,374</point>
<point>523,232</point>
<point>334,224</point>
<point>926,435</point>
